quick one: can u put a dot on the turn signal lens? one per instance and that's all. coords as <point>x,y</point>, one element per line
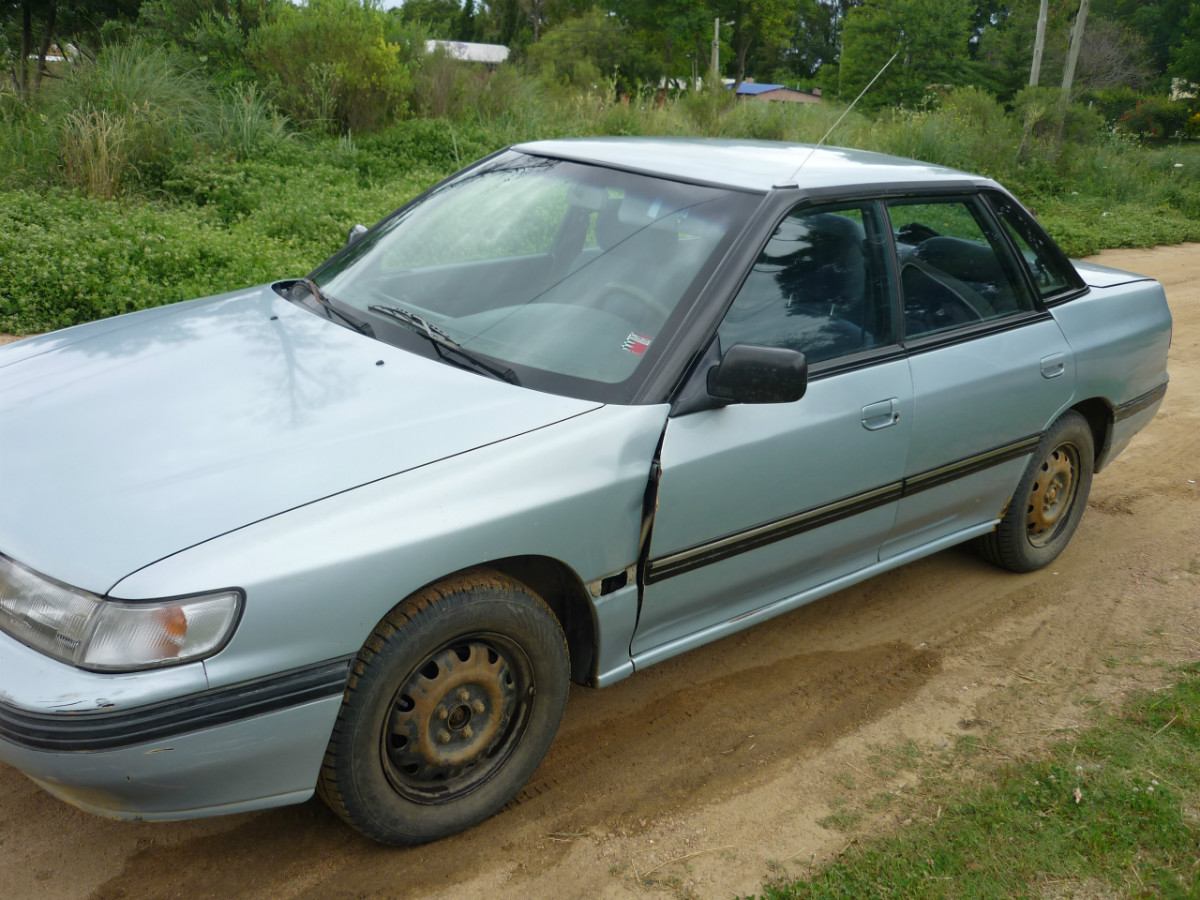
<point>140,635</point>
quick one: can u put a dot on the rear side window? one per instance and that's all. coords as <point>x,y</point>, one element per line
<point>1051,271</point>
<point>819,286</point>
<point>955,269</point>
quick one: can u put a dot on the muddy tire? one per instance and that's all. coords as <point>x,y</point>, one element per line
<point>449,708</point>
<point>1049,501</point>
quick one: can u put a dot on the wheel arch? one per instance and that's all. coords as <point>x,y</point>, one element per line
<point>1099,415</point>
<point>564,592</point>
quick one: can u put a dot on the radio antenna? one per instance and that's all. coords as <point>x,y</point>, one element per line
<point>817,146</point>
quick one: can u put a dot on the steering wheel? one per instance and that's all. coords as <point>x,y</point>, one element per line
<point>941,308</point>
<point>642,296</point>
<point>915,233</point>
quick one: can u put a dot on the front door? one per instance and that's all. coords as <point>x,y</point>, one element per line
<point>758,503</point>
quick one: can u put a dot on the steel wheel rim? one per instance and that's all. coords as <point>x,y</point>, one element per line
<point>1052,495</point>
<point>456,718</point>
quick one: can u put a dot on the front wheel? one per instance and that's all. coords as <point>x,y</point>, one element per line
<point>1049,500</point>
<point>449,708</point>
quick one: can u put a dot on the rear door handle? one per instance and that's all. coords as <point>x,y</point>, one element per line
<point>1054,365</point>
<point>881,414</point>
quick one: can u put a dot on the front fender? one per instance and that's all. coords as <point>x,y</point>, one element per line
<point>318,578</point>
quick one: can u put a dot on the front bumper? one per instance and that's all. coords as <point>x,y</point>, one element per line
<point>209,752</point>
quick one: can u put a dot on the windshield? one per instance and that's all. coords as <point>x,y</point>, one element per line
<point>568,273</point>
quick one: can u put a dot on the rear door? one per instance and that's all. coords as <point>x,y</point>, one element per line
<point>758,503</point>
<point>990,368</point>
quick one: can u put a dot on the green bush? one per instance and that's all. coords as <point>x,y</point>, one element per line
<point>329,67</point>
<point>1156,118</point>
<point>136,101</point>
<point>705,109</point>
<point>1112,103</point>
<point>66,259</point>
<point>438,144</point>
<point>28,147</point>
<point>94,146</point>
<point>244,123</point>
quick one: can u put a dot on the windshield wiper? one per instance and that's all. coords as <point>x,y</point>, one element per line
<point>442,342</point>
<point>330,310</point>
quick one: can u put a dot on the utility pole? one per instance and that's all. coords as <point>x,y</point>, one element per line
<point>716,52</point>
<point>1073,53</point>
<point>1039,44</point>
<point>1064,98</point>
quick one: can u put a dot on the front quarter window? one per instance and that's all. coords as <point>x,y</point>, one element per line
<point>570,274</point>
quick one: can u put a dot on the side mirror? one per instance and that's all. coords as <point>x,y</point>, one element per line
<point>752,374</point>
<point>355,233</point>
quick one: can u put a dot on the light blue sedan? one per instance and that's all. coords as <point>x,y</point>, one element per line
<point>579,408</point>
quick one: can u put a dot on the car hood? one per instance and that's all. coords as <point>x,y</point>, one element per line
<point>127,440</point>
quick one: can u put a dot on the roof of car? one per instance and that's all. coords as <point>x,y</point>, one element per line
<point>748,165</point>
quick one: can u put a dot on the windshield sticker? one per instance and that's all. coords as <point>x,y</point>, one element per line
<point>637,344</point>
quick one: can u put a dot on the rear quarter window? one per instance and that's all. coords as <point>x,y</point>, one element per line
<point>1052,274</point>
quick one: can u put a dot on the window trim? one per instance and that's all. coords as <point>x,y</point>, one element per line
<point>970,330</point>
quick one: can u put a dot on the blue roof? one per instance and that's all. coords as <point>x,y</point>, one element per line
<point>754,87</point>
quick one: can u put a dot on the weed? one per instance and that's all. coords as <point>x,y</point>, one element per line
<point>1114,810</point>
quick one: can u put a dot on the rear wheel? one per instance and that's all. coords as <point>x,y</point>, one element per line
<point>450,706</point>
<point>1049,501</point>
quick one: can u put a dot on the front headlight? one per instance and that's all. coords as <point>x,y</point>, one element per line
<point>112,635</point>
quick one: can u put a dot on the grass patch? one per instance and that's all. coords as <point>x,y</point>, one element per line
<point>841,820</point>
<point>1115,810</point>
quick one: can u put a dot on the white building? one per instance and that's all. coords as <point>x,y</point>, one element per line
<point>489,54</point>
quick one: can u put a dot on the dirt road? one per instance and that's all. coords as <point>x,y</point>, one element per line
<point>708,773</point>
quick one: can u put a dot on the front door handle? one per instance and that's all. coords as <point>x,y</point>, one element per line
<point>1054,365</point>
<point>881,414</point>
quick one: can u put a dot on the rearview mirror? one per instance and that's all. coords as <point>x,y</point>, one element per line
<point>355,233</point>
<point>749,373</point>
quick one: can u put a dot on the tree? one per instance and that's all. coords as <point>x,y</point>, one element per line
<point>465,28</point>
<point>33,26</point>
<point>328,63</point>
<point>1112,56</point>
<point>1077,32</point>
<point>755,23</point>
<point>503,22</point>
<point>812,41</point>
<point>1039,43</point>
<point>1165,25</point>
<point>441,19</point>
<point>675,34</point>
<point>535,12</point>
<point>930,35</point>
<point>582,49</point>
<point>1185,56</point>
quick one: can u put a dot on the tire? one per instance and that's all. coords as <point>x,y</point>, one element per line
<point>1049,501</point>
<point>449,707</point>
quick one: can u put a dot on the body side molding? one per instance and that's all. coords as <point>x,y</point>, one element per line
<point>730,545</point>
